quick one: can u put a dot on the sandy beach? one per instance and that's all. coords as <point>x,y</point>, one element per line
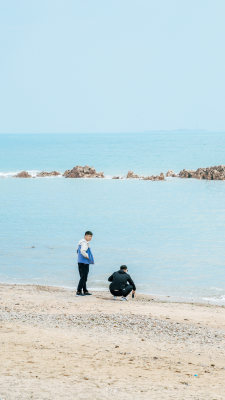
<point>55,345</point>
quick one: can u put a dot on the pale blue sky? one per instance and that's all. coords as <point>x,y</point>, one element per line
<point>111,65</point>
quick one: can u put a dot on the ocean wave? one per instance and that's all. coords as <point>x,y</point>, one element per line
<point>220,300</point>
<point>8,174</point>
<point>217,289</point>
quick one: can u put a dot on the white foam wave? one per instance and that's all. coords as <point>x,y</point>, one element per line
<point>8,174</point>
<point>112,177</point>
<point>217,289</point>
<point>216,300</point>
<point>33,173</point>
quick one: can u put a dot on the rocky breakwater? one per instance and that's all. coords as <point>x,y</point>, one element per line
<point>43,174</point>
<point>132,175</point>
<point>22,174</point>
<point>209,173</point>
<point>83,172</point>
<point>171,174</point>
<point>160,177</point>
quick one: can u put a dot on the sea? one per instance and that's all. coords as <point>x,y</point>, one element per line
<point>170,234</point>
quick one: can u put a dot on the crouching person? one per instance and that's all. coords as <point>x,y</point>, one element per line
<point>121,283</point>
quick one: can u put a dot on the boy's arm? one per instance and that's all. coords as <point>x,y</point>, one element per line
<point>84,247</point>
<point>131,282</point>
<point>110,279</point>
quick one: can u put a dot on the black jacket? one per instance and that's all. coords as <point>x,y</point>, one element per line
<point>119,280</point>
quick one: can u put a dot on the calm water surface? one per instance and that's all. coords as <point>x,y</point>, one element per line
<point>170,234</point>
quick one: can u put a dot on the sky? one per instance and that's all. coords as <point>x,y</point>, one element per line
<point>111,65</point>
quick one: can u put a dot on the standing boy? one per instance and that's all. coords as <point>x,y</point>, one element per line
<point>85,257</point>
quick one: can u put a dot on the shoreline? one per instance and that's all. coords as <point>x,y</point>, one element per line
<point>54,344</point>
<point>155,297</point>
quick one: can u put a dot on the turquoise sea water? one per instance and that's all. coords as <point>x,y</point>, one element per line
<point>170,234</point>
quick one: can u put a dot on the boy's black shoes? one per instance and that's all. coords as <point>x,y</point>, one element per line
<point>85,294</point>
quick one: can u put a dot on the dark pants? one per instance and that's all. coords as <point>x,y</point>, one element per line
<point>83,271</point>
<point>122,292</point>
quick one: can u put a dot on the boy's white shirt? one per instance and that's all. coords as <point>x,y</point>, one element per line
<point>84,247</point>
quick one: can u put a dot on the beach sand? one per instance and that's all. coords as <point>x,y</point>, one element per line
<point>54,345</point>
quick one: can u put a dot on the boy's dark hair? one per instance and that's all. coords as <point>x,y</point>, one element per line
<point>89,233</point>
<point>123,267</point>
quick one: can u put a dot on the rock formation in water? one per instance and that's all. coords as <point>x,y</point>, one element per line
<point>83,172</point>
<point>160,177</point>
<point>132,175</point>
<point>43,174</point>
<point>22,174</point>
<point>209,173</point>
<point>171,173</point>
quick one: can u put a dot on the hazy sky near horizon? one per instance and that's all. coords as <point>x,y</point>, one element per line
<point>111,65</point>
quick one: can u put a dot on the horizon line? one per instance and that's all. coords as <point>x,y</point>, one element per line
<point>117,132</point>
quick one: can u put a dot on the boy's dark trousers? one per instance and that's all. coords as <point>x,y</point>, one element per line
<point>122,292</point>
<point>83,271</point>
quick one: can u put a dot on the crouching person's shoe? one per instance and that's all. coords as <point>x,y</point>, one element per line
<point>123,299</point>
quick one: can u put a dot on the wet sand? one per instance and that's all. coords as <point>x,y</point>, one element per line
<point>54,345</point>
